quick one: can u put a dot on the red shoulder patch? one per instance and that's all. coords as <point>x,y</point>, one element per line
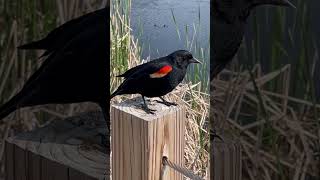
<point>165,69</point>
<point>162,72</point>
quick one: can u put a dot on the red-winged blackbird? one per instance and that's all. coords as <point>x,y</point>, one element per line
<point>66,32</point>
<point>75,69</point>
<point>157,77</point>
<point>227,28</point>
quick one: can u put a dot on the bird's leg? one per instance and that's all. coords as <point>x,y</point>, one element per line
<point>146,108</point>
<point>214,135</point>
<point>105,137</point>
<point>167,103</point>
<point>104,107</point>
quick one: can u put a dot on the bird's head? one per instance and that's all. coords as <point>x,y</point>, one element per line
<point>240,9</point>
<point>255,3</point>
<point>183,58</point>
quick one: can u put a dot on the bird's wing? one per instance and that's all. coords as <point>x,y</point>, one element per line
<point>161,71</point>
<point>64,33</point>
<point>131,71</point>
<point>65,62</point>
<point>72,73</point>
<point>152,69</point>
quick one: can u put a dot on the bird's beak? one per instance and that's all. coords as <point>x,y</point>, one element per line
<point>195,60</point>
<point>274,2</point>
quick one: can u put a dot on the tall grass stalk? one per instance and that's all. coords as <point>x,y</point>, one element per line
<point>124,49</point>
<point>282,36</point>
<point>198,73</point>
<point>22,22</point>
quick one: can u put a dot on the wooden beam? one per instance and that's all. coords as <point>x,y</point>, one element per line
<point>140,140</point>
<point>225,160</point>
<point>9,161</point>
<point>67,149</point>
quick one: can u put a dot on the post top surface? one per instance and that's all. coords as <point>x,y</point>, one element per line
<point>74,142</point>
<point>134,108</point>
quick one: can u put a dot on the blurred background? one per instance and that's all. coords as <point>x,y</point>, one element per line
<point>24,21</point>
<point>274,111</point>
<point>279,36</point>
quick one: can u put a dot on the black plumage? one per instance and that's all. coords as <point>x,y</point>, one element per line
<point>75,68</point>
<point>157,77</point>
<point>66,32</point>
<point>228,26</point>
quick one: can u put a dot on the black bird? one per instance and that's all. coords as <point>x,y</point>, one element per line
<point>157,77</point>
<point>228,26</point>
<point>75,68</point>
<point>66,32</point>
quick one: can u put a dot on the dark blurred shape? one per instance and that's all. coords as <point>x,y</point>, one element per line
<point>228,25</point>
<point>75,68</point>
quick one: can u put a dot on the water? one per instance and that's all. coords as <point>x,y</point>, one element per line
<point>152,23</point>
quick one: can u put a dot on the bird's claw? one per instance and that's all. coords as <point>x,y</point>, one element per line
<point>167,103</point>
<point>219,137</point>
<point>149,111</point>
<point>214,136</point>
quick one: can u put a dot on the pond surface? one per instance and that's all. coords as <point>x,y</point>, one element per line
<point>153,24</point>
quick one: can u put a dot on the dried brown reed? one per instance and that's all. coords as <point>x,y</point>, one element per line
<point>279,134</point>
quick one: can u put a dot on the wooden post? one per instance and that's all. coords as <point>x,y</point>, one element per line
<point>225,160</point>
<point>225,156</point>
<point>140,140</point>
<point>67,149</point>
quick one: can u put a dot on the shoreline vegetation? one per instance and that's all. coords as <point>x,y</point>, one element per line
<point>26,21</point>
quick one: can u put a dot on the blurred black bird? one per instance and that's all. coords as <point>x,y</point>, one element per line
<point>66,32</point>
<point>228,26</point>
<point>156,78</point>
<point>75,66</point>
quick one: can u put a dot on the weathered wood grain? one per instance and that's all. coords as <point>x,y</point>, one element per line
<point>33,166</point>
<point>20,164</point>
<point>63,150</point>
<point>225,160</point>
<point>76,175</point>
<point>140,140</point>
<point>51,170</point>
<point>9,160</point>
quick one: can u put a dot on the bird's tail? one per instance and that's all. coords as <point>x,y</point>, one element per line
<point>9,107</point>
<point>216,68</point>
<point>113,95</point>
<point>34,45</point>
<point>116,93</point>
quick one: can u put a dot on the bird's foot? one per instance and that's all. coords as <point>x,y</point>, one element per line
<point>214,135</point>
<point>167,103</point>
<point>148,110</point>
